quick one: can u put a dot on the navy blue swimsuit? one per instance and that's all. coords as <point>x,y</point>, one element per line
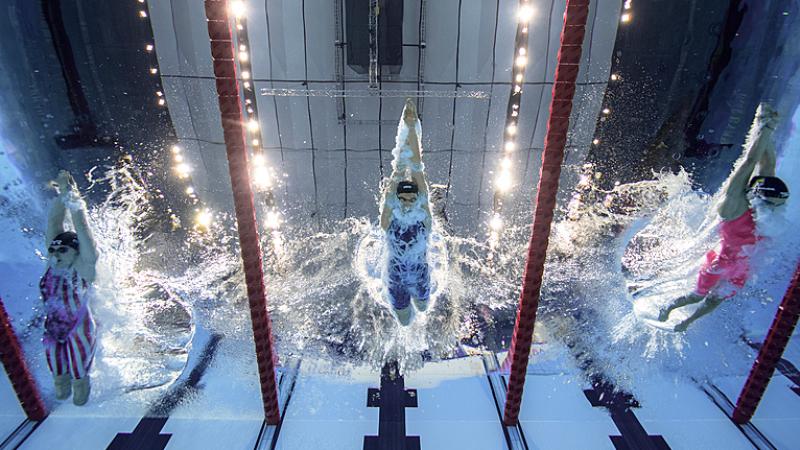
<point>408,270</point>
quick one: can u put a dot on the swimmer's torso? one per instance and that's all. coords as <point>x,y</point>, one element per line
<point>736,234</point>
<point>407,236</point>
<point>65,295</point>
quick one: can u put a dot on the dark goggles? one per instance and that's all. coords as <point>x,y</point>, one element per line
<point>766,192</point>
<point>61,250</point>
<point>407,200</point>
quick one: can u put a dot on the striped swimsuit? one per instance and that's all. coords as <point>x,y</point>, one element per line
<point>69,336</point>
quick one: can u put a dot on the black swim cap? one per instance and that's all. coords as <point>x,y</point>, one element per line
<point>407,187</point>
<point>67,239</point>
<point>769,187</point>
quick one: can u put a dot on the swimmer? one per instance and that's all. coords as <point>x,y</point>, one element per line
<point>743,197</point>
<point>406,220</point>
<point>66,288</point>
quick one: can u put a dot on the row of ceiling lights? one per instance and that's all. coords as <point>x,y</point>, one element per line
<point>262,175</point>
<point>203,217</point>
<point>504,180</point>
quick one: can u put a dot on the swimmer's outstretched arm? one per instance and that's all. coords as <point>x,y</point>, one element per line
<point>766,166</point>
<point>55,221</point>
<point>734,202</point>
<point>417,169</point>
<point>87,256</point>
<point>389,191</point>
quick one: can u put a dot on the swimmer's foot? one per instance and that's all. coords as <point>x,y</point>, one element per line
<point>82,387</point>
<point>421,305</point>
<point>63,386</point>
<point>403,315</point>
<point>683,326</point>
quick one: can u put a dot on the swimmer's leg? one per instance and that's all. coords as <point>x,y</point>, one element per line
<point>689,299</point>
<point>422,288</point>
<point>56,354</point>
<point>710,304</point>
<point>400,297</point>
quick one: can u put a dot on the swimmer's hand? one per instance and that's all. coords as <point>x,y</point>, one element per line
<point>410,112</point>
<point>766,116</point>
<point>64,182</point>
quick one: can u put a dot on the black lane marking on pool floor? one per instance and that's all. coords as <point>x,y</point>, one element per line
<point>392,398</point>
<point>147,434</point>
<point>633,436</point>
<point>753,434</point>
<point>784,366</point>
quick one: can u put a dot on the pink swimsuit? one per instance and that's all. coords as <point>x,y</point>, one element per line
<point>69,342</point>
<point>731,264</point>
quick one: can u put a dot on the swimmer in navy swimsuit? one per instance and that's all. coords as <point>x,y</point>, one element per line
<point>730,264</point>
<point>406,219</point>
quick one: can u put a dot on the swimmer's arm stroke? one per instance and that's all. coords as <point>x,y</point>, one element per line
<point>386,206</point>
<point>762,154</point>
<point>417,171</point>
<point>87,256</point>
<point>55,221</point>
<point>88,248</point>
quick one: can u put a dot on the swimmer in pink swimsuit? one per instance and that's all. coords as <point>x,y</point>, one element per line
<point>725,270</point>
<point>66,288</point>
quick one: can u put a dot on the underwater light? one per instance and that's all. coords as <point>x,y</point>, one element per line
<point>504,181</point>
<point>496,223</point>
<point>262,178</point>
<point>203,220</point>
<point>525,13</point>
<point>252,125</point>
<point>625,17</point>
<point>183,170</point>
<point>522,60</point>
<point>273,220</point>
<point>238,9</point>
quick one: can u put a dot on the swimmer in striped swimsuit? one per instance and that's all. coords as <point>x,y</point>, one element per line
<point>406,219</point>
<point>725,270</point>
<point>66,288</point>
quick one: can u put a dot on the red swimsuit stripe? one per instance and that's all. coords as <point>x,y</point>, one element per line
<point>75,354</point>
